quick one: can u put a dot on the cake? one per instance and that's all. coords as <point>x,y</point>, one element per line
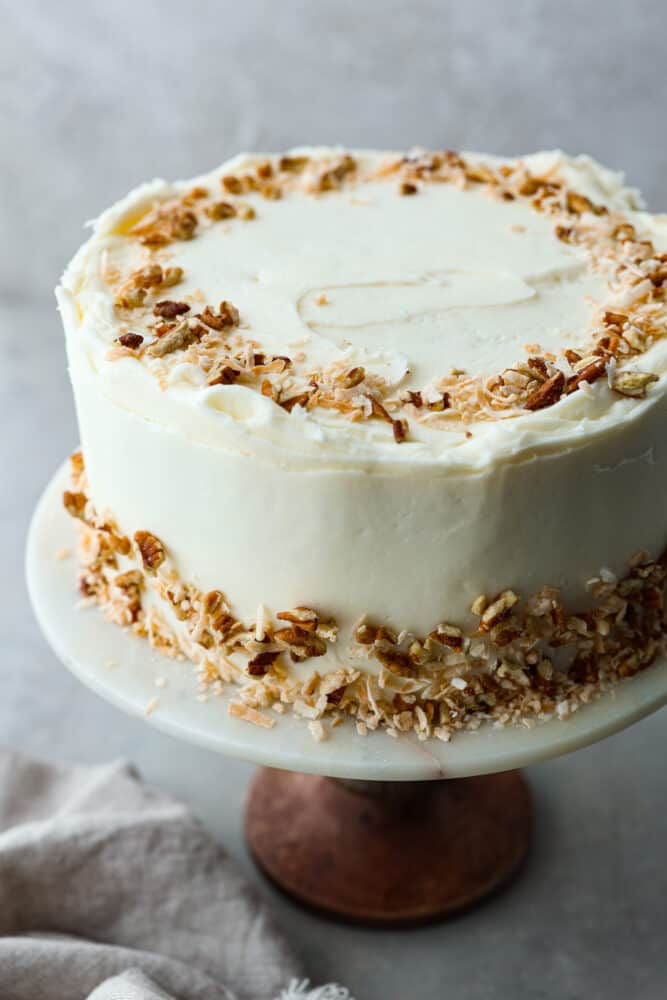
<point>377,437</point>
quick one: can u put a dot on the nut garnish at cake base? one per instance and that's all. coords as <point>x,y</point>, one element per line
<point>528,660</point>
<point>161,332</point>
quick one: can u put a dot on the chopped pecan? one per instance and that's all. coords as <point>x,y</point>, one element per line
<point>538,365</point>
<point>131,340</point>
<point>148,277</point>
<point>578,203</point>
<point>407,188</point>
<point>589,373</point>
<point>301,399</point>
<point>564,233</point>
<point>448,635</point>
<point>181,336</point>
<point>232,184</point>
<point>352,377</point>
<point>75,504</point>
<point>336,696</point>
<point>221,210</point>
<point>76,463</point>
<point>224,374</point>
<point>440,404</point>
<point>400,429</point>
<point>365,634</point>
<point>272,192</point>
<point>262,663</point>
<point>292,164</point>
<point>547,393</point>
<point>395,661</point>
<point>229,314</point>
<point>182,224</point>
<point>172,276</point>
<point>167,309</point>
<point>614,319</point>
<point>132,298</point>
<point>378,410</point>
<point>151,549</point>
<point>498,609</point>
<point>305,618</point>
<point>226,317</point>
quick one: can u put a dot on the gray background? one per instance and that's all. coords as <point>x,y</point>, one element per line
<point>96,97</point>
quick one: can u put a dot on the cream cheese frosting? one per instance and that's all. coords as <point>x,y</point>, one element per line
<point>436,291</point>
<point>414,287</point>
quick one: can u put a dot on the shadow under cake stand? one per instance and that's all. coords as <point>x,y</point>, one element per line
<point>387,843</point>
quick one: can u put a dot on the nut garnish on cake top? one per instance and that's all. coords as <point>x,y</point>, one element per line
<point>162,329</point>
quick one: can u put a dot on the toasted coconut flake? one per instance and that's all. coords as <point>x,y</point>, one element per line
<point>238,710</point>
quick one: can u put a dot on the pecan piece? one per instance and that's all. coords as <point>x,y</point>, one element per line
<point>292,164</point>
<point>167,309</point>
<point>614,319</point>
<point>304,618</point>
<point>547,393</point>
<point>131,340</point>
<point>227,316</point>
<point>148,277</point>
<point>301,399</point>
<point>182,225</point>
<point>352,377</point>
<point>499,609</point>
<point>262,663</point>
<point>221,210</point>
<point>400,429</point>
<point>76,463</point>
<point>589,373</point>
<point>415,398</point>
<point>151,549</point>
<point>132,298</point>
<point>378,410</point>
<point>75,504</point>
<point>224,374</point>
<point>438,405</point>
<point>578,203</point>
<point>448,635</point>
<point>232,184</point>
<point>395,661</point>
<point>178,338</point>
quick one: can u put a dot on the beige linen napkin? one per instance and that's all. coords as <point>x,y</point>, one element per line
<point>109,890</point>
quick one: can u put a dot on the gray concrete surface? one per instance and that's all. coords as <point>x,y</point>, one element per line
<point>97,97</point>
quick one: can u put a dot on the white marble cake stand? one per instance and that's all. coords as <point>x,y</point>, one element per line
<point>123,669</point>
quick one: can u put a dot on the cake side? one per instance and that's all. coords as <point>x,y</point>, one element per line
<point>525,660</point>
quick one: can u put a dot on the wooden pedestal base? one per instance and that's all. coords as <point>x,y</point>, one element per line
<point>388,853</point>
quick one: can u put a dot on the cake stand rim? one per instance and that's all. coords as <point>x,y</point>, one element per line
<point>131,686</point>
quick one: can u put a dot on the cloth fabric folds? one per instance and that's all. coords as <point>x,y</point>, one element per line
<point>109,890</point>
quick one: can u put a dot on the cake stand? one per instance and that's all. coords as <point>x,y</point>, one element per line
<point>385,844</point>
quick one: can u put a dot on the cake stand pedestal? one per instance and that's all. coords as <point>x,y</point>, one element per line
<point>385,845</point>
<point>388,853</point>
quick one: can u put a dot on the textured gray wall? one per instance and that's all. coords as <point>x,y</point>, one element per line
<point>95,97</point>
<point>98,96</point>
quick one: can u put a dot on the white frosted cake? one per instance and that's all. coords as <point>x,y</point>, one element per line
<point>375,436</point>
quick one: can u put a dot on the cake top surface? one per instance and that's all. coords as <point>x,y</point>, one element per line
<point>377,306</point>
